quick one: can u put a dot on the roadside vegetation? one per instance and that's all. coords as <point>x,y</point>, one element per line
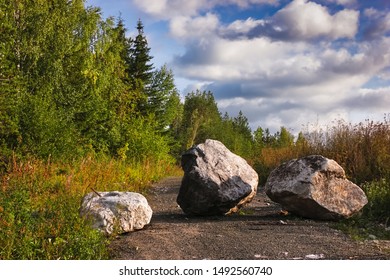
<point>82,107</point>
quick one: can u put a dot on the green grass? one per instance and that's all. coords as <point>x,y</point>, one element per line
<point>378,207</point>
<point>39,204</point>
<point>374,220</point>
<point>363,229</point>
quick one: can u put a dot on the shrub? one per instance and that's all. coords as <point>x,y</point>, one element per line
<point>378,194</point>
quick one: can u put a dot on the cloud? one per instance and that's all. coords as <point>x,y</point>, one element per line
<point>306,61</point>
<point>168,9</point>
<point>305,20</point>
<point>378,23</point>
<point>300,20</point>
<point>183,27</point>
<point>369,99</point>
<point>288,83</point>
<point>281,64</point>
<point>344,2</point>
<point>240,29</point>
<point>277,112</point>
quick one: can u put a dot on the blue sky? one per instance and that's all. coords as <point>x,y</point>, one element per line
<point>295,63</point>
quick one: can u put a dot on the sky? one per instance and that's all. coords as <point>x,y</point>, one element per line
<point>301,64</point>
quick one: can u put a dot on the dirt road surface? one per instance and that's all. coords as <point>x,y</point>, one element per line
<point>259,231</point>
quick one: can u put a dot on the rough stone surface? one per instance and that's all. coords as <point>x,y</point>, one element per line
<point>115,211</point>
<point>315,187</point>
<point>215,181</point>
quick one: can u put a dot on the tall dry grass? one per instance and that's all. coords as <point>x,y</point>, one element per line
<point>363,150</point>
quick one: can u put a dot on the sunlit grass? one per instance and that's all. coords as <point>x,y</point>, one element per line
<point>40,200</point>
<point>363,150</point>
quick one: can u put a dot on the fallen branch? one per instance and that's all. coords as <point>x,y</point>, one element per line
<point>96,192</point>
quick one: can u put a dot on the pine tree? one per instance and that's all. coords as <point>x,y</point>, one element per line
<point>128,98</point>
<point>140,66</point>
<point>241,125</point>
<point>286,139</point>
<point>258,137</point>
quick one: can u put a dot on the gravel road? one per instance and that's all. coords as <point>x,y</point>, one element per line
<point>259,231</point>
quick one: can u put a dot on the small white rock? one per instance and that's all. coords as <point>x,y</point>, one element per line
<point>314,256</point>
<point>372,237</point>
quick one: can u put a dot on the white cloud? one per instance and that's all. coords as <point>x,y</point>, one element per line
<point>285,70</point>
<point>303,20</point>
<point>240,28</point>
<point>289,83</point>
<point>369,99</point>
<point>200,27</point>
<point>167,9</point>
<point>378,23</point>
<point>298,21</point>
<point>281,64</point>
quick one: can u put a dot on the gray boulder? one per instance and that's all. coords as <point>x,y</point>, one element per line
<point>215,181</point>
<point>315,187</point>
<point>116,212</point>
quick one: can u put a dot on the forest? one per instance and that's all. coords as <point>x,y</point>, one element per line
<point>82,106</point>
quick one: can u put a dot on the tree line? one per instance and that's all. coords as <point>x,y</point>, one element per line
<point>72,83</point>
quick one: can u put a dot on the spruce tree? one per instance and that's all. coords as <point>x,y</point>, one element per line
<point>286,139</point>
<point>140,66</point>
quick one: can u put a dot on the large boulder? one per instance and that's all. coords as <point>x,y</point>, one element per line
<point>315,187</point>
<point>215,181</point>
<point>116,212</point>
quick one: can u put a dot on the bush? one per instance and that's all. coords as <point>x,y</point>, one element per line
<point>378,194</point>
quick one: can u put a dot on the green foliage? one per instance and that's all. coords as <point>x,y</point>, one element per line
<point>141,68</point>
<point>163,99</point>
<point>72,83</point>
<point>39,204</point>
<point>39,218</point>
<point>41,125</point>
<point>285,138</point>
<point>9,83</point>
<point>143,141</point>
<point>74,88</point>
<point>374,220</point>
<point>378,194</point>
<point>200,116</point>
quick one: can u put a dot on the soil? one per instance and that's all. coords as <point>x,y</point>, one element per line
<point>261,230</point>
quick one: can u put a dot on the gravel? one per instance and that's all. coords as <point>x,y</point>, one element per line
<point>261,230</point>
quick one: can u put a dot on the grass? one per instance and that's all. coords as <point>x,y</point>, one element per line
<point>40,200</point>
<point>360,228</point>
<point>374,220</point>
<point>363,150</point>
